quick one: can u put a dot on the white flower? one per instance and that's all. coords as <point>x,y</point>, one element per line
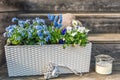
<point>69,29</point>
<point>87,30</point>
<point>76,27</point>
<point>73,34</point>
<point>81,29</point>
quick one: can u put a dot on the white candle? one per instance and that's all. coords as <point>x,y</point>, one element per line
<point>104,67</point>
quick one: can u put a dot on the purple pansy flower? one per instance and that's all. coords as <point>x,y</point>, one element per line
<point>61,41</point>
<point>64,31</point>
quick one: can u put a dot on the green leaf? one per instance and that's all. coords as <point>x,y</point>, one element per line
<point>8,41</point>
<point>15,42</point>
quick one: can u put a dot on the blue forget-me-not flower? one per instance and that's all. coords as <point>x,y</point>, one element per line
<point>21,23</point>
<point>14,19</point>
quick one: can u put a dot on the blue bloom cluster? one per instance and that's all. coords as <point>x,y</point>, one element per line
<point>21,23</point>
<point>9,31</point>
<point>43,33</point>
<point>29,31</point>
<point>38,21</point>
<point>57,20</point>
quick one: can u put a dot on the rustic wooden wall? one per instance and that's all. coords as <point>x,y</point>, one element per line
<point>68,5</point>
<point>100,16</point>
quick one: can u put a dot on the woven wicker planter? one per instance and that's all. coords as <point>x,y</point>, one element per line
<point>32,59</point>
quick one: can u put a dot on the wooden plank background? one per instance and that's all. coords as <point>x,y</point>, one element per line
<point>66,5</point>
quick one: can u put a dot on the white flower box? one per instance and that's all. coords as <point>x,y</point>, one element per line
<point>32,59</point>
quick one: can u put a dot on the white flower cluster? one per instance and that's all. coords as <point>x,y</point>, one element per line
<point>77,26</point>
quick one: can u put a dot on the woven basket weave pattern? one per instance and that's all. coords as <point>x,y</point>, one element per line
<point>31,60</point>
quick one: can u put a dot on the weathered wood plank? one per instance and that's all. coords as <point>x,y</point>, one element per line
<point>5,7</point>
<point>101,25</point>
<point>2,52</point>
<point>66,5</point>
<point>82,14</point>
<point>104,38</point>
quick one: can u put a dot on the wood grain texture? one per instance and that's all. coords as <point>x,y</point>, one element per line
<point>65,5</point>
<point>2,52</point>
<point>104,38</point>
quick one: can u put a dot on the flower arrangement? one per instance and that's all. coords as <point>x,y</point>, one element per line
<point>36,31</point>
